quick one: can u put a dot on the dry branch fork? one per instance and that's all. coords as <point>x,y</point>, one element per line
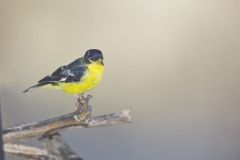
<point>48,130</point>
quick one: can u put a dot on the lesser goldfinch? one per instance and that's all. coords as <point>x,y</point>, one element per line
<point>77,77</point>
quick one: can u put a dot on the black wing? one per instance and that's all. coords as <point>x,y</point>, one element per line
<point>69,73</point>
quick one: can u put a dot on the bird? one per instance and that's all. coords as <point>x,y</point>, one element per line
<point>78,77</point>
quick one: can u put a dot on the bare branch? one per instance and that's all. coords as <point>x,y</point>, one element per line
<point>55,146</point>
<point>55,149</point>
<point>25,151</point>
<point>58,149</point>
<point>74,119</point>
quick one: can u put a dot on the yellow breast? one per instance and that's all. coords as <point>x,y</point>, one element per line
<point>90,80</point>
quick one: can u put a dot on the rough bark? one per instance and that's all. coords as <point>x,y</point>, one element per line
<point>37,129</point>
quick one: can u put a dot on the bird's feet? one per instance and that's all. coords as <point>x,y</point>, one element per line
<point>82,103</point>
<point>83,108</point>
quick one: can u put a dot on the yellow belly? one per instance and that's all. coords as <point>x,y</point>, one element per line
<point>90,80</point>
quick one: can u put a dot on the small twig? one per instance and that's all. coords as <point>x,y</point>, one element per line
<point>37,129</point>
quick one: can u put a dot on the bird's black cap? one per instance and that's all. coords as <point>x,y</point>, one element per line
<point>92,55</point>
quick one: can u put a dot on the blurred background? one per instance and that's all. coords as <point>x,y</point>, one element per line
<point>174,63</point>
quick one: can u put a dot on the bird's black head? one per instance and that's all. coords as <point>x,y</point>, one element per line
<point>93,55</point>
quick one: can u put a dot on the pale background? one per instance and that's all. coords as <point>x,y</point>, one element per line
<point>174,63</point>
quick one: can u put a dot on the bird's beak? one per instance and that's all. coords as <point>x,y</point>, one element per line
<point>100,60</point>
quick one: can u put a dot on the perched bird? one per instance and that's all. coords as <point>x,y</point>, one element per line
<point>77,77</point>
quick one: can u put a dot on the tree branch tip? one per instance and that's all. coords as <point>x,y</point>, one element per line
<point>127,113</point>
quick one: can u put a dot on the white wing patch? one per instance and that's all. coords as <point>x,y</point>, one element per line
<point>63,79</point>
<point>70,73</point>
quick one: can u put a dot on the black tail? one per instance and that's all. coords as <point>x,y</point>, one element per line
<point>36,86</point>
